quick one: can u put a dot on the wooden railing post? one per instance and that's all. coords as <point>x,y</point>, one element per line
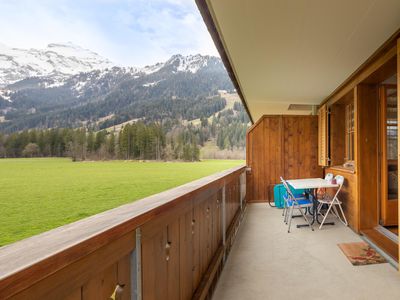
<point>223,220</point>
<point>242,179</point>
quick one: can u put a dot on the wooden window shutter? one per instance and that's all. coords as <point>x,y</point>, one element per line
<point>323,136</point>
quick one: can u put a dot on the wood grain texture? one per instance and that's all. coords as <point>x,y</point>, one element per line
<point>398,118</point>
<point>388,207</point>
<point>323,136</point>
<point>277,146</point>
<point>85,276</point>
<point>366,109</point>
<point>60,263</point>
<point>382,242</point>
<point>182,249</point>
<point>337,134</point>
<point>348,195</point>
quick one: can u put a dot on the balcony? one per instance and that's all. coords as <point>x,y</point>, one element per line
<point>317,90</point>
<point>168,246</point>
<point>268,263</point>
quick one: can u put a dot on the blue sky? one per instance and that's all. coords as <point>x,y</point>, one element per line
<point>129,32</point>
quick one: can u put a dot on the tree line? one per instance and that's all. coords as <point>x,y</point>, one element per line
<point>134,141</point>
<point>168,140</point>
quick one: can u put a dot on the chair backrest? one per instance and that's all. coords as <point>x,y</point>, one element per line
<point>339,179</point>
<point>288,190</point>
<point>328,177</point>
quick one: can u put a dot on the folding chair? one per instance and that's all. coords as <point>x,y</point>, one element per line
<point>328,177</point>
<point>291,203</point>
<point>321,193</point>
<point>332,202</point>
<point>296,195</point>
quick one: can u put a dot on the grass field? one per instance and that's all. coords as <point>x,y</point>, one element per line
<point>40,194</point>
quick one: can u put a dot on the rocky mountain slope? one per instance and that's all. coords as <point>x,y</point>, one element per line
<point>67,86</point>
<point>56,60</point>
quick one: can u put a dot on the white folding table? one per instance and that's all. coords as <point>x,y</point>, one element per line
<point>312,184</point>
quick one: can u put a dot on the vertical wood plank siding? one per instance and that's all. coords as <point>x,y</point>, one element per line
<point>181,245</point>
<point>277,146</point>
<point>323,136</point>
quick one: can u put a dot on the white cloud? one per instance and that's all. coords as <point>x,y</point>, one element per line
<point>130,32</point>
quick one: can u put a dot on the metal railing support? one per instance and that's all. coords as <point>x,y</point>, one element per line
<point>136,268</point>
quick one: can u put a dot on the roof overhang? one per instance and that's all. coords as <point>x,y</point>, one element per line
<point>280,53</point>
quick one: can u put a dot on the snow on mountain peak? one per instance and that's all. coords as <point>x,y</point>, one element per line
<point>59,61</point>
<point>56,59</point>
<point>189,63</point>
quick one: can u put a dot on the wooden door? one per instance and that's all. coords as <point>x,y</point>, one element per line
<point>389,161</point>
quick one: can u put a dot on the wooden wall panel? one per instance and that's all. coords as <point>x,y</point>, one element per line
<point>75,295</point>
<point>101,286</point>
<point>161,242</point>
<point>205,235</point>
<point>398,118</point>
<point>93,277</point>
<point>349,196</point>
<point>367,153</point>
<point>124,276</point>
<point>196,246</point>
<point>178,247</point>
<point>155,278</point>
<point>186,249</point>
<point>337,134</point>
<point>300,148</point>
<point>249,173</point>
<point>277,146</point>
<point>258,169</point>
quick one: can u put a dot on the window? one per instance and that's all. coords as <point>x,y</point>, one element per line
<point>349,116</point>
<point>323,136</point>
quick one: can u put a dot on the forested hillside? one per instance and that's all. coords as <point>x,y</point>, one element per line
<point>168,141</point>
<point>164,111</point>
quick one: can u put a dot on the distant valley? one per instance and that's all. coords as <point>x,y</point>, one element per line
<point>66,86</point>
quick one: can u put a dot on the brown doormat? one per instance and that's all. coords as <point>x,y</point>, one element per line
<point>360,254</point>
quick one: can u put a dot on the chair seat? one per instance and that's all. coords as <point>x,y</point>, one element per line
<point>301,202</point>
<point>297,196</point>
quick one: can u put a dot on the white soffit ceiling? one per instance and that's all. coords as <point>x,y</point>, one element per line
<point>298,51</point>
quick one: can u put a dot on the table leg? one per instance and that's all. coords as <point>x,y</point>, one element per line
<point>314,212</point>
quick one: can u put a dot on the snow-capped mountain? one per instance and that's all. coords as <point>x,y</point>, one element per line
<point>69,86</point>
<point>57,60</point>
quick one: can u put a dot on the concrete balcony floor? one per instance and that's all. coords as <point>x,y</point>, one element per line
<point>266,262</point>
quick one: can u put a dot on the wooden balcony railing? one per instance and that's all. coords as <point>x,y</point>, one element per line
<point>167,246</point>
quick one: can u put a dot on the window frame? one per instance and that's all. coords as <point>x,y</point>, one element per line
<point>349,133</point>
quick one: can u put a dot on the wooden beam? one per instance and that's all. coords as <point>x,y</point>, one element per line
<point>398,116</point>
<point>361,74</point>
<point>381,56</point>
<point>366,116</point>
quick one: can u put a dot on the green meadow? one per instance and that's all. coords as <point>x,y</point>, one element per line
<point>39,194</point>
